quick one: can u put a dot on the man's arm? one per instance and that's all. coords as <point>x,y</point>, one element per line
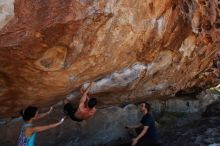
<point>43,128</point>
<point>143,132</point>
<point>82,92</point>
<point>39,116</point>
<point>134,126</point>
<point>84,96</point>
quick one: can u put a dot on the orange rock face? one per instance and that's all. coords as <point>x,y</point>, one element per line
<point>137,49</point>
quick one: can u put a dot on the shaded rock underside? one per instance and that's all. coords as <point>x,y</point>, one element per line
<point>134,50</point>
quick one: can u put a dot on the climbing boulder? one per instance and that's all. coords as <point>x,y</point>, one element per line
<point>133,50</point>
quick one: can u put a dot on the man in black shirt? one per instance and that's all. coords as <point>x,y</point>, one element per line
<point>148,135</point>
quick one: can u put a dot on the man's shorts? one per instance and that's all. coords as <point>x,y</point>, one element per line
<point>70,110</point>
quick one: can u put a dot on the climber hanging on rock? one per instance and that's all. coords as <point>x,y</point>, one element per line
<point>86,108</point>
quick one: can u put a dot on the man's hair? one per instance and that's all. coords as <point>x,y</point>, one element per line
<point>92,102</point>
<point>147,106</point>
<point>29,113</point>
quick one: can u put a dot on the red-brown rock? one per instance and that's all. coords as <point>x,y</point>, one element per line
<point>50,48</point>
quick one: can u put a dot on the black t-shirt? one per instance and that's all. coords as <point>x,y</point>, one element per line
<point>148,120</point>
